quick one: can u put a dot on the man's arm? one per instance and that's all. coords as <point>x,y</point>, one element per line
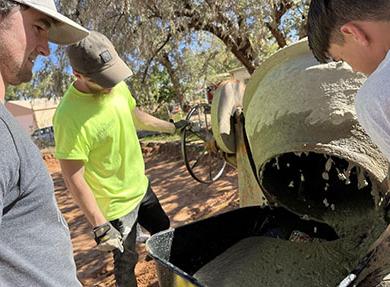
<point>73,172</point>
<point>106,236</point>
<point>144,121</point>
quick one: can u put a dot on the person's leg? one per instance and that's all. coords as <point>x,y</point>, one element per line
<point>124,263</point>
<point>151,216</point>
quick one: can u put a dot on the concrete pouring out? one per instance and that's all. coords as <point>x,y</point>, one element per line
<point>306,260</point>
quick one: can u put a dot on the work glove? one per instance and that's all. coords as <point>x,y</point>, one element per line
<point>180,125</point>
<point>107,237</point>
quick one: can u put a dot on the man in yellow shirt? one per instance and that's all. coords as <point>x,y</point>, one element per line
<point>100,155</point>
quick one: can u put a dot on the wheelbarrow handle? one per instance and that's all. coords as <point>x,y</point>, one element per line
<point>347,281</point>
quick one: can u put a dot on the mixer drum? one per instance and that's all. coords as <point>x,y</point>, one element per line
<point>294,105</point>
<point>310,153</point>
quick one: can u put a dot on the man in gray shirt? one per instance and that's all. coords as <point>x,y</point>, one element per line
<point>35,246</point>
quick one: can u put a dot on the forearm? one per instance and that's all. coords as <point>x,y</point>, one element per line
<point>87,203</point>
<point>147,122</point>
<point>83,196</point>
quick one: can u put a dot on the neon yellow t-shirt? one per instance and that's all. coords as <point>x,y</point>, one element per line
<point>99,130</point>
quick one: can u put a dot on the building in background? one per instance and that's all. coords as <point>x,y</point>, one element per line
<point>35,114</point>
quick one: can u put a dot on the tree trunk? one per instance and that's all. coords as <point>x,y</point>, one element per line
<point>175,81</point>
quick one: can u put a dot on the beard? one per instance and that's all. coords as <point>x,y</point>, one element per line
<point>15,69</point>
<point>15,74</point>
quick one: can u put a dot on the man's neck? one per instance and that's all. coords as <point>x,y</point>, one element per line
<point>83,87</point>
<point>80,86</point>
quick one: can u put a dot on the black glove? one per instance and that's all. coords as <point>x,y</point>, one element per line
<point>180,125</point>
<point>107,237</point>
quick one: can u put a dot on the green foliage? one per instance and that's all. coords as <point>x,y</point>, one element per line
<point>177,47</point>
<point>23,91</point>
<point>154,96</point>
<point>159,88</point>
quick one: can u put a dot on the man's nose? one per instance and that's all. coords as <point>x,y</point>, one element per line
<point>43,45</point>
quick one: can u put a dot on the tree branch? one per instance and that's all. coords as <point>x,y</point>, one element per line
<point>153,56</point>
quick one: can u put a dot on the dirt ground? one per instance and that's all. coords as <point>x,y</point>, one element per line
<point>183,199</point>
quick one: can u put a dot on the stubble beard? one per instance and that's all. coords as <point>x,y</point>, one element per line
<point>13,70</point>
<point>24,75</point>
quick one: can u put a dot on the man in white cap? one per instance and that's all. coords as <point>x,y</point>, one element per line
<point>35,246</point>
<point>100,155</point>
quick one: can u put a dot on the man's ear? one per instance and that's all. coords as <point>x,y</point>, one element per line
<point>355,32</point>
<point>77,75</point>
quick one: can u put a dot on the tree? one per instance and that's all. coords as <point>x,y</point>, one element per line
<point>241,25</point>
<point>158,33</point>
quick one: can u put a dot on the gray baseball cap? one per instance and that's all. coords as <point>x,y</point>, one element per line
<point>96,58</point>
<point>63,31</point>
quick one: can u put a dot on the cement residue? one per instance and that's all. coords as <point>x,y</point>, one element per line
<point>264,261</point>
<point>325,93</point>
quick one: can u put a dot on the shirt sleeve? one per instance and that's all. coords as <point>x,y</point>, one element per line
<point>373,110</point>
<point>132,102</point>
<point>70,139</point>
<point>131,93</point>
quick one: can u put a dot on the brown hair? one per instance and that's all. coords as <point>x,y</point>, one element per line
<point>7,5</point>
<point>327,16</point>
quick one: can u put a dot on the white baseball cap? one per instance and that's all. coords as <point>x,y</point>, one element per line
<point>64,31</point>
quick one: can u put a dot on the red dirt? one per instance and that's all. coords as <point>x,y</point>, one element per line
<point>182,198</point>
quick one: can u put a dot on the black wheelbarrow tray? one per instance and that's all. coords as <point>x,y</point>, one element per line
<point>179,253</point>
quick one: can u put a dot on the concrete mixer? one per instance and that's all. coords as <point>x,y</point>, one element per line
<point>313,187</point>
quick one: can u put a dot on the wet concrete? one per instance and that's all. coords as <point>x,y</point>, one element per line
<point>265,261</point>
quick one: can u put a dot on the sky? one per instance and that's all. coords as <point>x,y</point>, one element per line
<point>39,62</point>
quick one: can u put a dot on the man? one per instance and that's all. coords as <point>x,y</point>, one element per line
<point>357,32</point>
<point>35,246</point>
<point>100,156</point>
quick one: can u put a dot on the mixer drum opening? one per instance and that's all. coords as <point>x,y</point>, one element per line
<point>313,184</point>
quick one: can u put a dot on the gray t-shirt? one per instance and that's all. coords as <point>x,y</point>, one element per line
<point>373,106</point>
<point>35,246</point>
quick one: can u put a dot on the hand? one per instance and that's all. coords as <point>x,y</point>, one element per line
<point>107,237</point>
<point>180,125</point>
